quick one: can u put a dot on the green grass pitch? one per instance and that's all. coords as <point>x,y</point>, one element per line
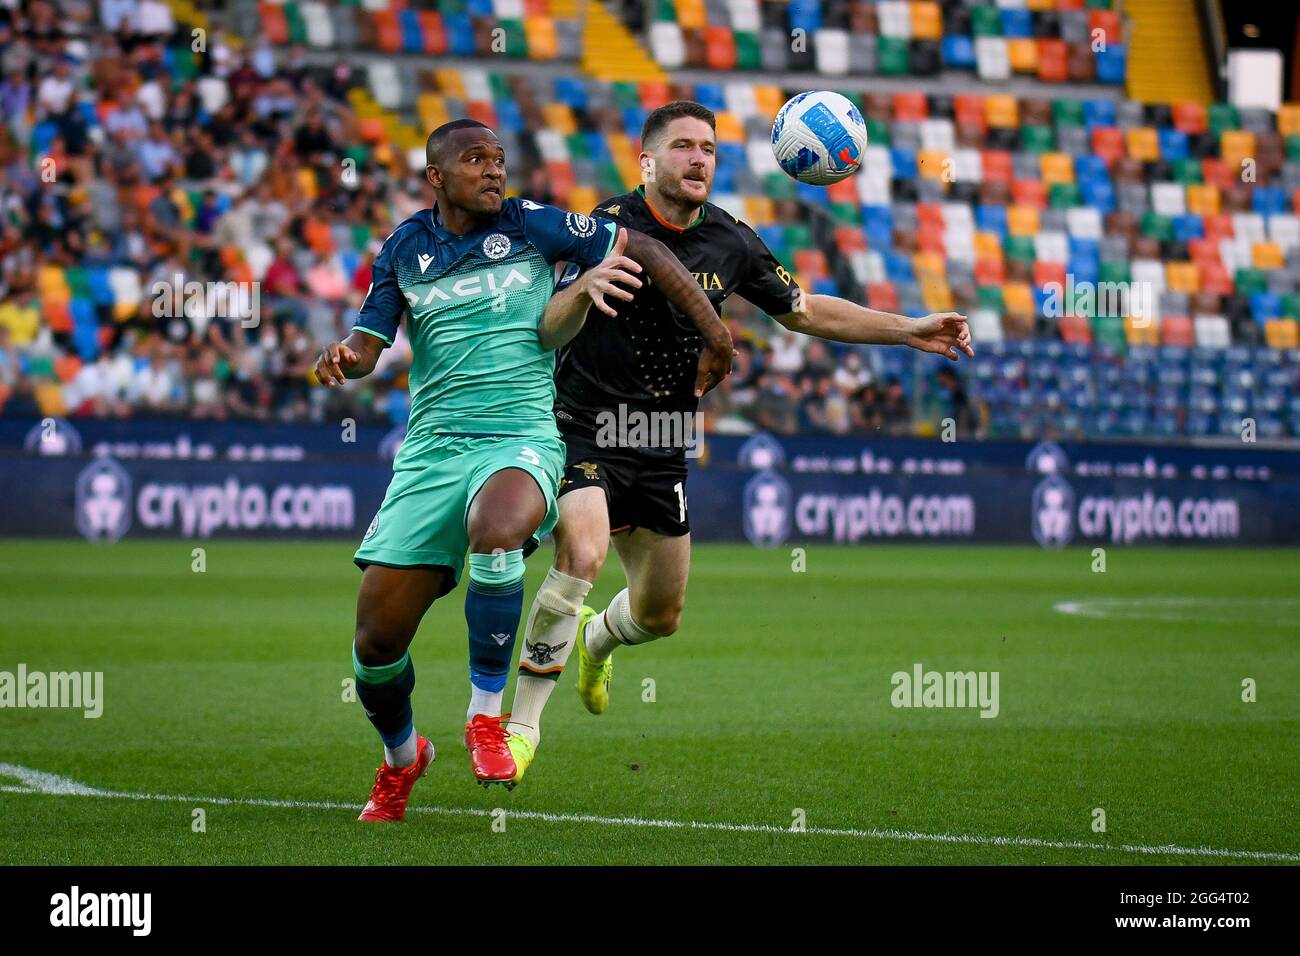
<point>225,688</point>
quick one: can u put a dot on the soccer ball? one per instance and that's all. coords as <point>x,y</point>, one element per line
<point>819,138</point>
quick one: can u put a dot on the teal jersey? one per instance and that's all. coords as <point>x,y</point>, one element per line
<point>472,305</point>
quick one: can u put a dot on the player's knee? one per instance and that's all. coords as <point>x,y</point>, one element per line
<point>580,560</point>
<point>377,646</point>
<point>661,621</point>
<point>496,533</point>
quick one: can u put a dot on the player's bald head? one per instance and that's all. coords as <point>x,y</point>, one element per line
<point>449,138</point>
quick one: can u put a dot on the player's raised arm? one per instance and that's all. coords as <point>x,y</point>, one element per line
<point>566,312</point>
<point>664,269</point>
<point>770,286</point>
<point>830,317</point>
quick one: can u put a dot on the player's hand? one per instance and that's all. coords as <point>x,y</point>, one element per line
<point>715,365</point>
<point>944,333</point>
<point>607,278</point>
<point>335,360</point>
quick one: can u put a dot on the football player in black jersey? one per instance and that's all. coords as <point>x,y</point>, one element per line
<point>626,398</point>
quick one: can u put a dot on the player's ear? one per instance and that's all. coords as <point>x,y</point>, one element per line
<point>434,176</point>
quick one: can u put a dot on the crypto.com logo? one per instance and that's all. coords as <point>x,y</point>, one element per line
<point>1052,512</point>
<point>103,501</point>
<point>767,509</point>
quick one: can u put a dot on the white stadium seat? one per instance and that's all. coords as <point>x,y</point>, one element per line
<point>992,62</point>
<point>666,44</point>
<point>831,52</point>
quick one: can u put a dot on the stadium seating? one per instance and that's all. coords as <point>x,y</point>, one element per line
<point>1000,206</point>
<point>1055,42</point>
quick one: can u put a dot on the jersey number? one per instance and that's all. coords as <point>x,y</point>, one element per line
<point>530,456</point>
<point>681,502</point>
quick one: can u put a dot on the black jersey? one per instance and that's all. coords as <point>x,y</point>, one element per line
<point>646,359</point>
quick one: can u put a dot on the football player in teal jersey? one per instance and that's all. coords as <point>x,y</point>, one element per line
<point>481,462</point>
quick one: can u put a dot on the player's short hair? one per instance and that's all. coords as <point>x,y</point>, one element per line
<point>437,141</point>
<point>659,119</point>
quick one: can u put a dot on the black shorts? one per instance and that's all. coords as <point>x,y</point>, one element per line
<point>643,491</point>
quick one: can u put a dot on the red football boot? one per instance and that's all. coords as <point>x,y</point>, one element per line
<point>489,755</point>
<point>393,787</point>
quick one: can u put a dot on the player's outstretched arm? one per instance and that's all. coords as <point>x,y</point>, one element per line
<point>566,312</point>
<point>830,317</point>
<point>664,269</point>
<point>354,357</point>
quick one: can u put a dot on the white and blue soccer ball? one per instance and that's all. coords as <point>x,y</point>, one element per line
<point>819,138</point>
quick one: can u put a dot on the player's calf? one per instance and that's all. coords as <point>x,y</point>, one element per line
<point>549,638</point>
<point>618,626</point>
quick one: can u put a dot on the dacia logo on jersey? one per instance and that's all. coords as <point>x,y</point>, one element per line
<point>708,280</point>
<point>485,282</point>
<point>580,225</point>
<point>496,246</point>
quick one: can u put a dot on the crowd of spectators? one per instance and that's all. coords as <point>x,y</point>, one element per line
<point>130,143</point>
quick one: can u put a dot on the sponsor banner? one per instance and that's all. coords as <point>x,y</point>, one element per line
<point>178,440</point>
<point>771,508</point>
<point>105,498</point>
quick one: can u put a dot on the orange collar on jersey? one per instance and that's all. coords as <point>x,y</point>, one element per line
<point>664,222</point>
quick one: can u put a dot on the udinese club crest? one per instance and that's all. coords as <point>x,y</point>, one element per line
<point>496,246</point>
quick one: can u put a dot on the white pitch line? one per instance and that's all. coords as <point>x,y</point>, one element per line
<point>53,785</point>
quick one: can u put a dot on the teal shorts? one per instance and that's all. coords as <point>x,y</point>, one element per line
<point>422,522</point>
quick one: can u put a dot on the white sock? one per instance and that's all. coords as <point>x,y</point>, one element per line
<point>483,702</point>
<point>405,753</point>
<point>616,627</point>
<point>549,638</point>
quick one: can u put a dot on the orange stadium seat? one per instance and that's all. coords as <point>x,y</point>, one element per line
<point>1107,143</point>
<point>1288,119</point>
<point>434,32</point>
<point>1029,192</point>
<point>990,271</point>
<point>1023,54</point>
<point>1001,111</point>
<point>274,23</point>
<point>539,34</point>
<point>1190,117</point>
<point>720,48</point>
<point>927,20</point>
<point>1282,334</point>
<point>1075,330</point>
<point>388,31</point>
<point>882,296</point>
<point>988,246</point>
<point>995,165</point>
<point>1053,60</point>
<point>1177,330</point>
<point>911,107</point>
<point>1143,144</point>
